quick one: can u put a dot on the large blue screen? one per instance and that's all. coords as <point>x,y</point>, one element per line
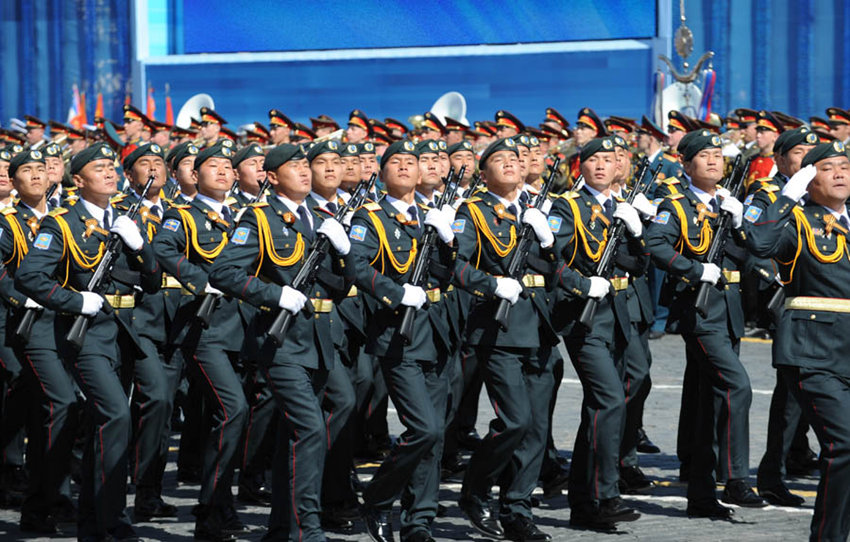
<point>214,26</point>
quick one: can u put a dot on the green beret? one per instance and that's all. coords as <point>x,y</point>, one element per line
<point>695,141</point>
<point>428,146</point>
<point>282,154</point>
<point>402,146</point>
<point>331,146</point>
<point>620,142</point>
<point>533,141</point>
<point>789,139</point>
<point>824,151</point>
<point>7,152</point>
<point>599,144</point>
<point>98,151</point>
<point>366,148</point>
<point>350,149</point>
<point>22,158</point>
<point>249,151</point>
<point>147,149</point>
<point>444,147</point>
<point>181,151</point>
<point>217,150</point>
<point>53,150</point>
<point>503,144</point>
<point>522,140</point>
<point>462,146</point>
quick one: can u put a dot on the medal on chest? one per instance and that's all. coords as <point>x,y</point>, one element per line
<point>397,233</point>
<point>91,225</point>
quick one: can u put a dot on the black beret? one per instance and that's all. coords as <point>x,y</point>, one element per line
<point>282,154</point>
<point>789,139</point>
<point>533,141</point>
<point>462,146</point>
<point>24,157</point>
<point>402,146</point>
<point>217,150</point>
<point>181,151</point>
<point>366,148</point>
<point>444,147</point>
<point>350,149</point>
<point>522,140</point>
<point>248,151</point>
<point>598,144</point>
<point>428,146</point>
<point>330,145</point>
<point>620,142</point>
<point>53,150</point>
<point>503,144</point>
<point>824,151</point>
<point>695,141</point>
<point>97,151</point>
<point>147,149</point>
<point>6,154</point>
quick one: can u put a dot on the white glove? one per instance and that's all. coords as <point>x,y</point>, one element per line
<point>457,203</point>
<point>540,224</point>
<point>30,304</point>
<point>336,234</point>
<point>644,206</point>
<point>599,287</point>
<point>440,221</point>
<point>710,273</point>
<point>129,233</point>
<point>291,300</point>
<point>508,288</point>
<point>92,303</point>
<point>213,291</point>
<point>546,206</point>
<point>346,220</point>
<point>734,208</point>
<point>414,296</point>
<point>630,217</point>
<point>799,182</point>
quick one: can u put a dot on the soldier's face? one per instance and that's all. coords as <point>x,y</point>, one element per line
<point>77,145</point>
<point>368,165</point>
<point>583,134</point>
<point>505,131</point>
<point>429,170</point>
<point>501,171</point>
<point>401,174</point>
<point>31,181</point>
<point>162,138</point>
<point>535,162</point>
<point>215,177</point>
<point>185,175</point>
<point>327,171</point>
<point>292,179</point>
<point>840,131</point>
<point>622,164</point>
<point>323,130</point>
<point>144,168</point>
<point>673,138</point>
<point>794,158</point>
<point>831,185</point>
<point>132,129</point>
<point>356,134</point>
<point>523,160</point>
<point>5,183</point>
<point>250,174</point>
<point>544,146</point>
<point>97,180</point>
<point>765,139</point>
<point>643,142</point>
<point>706,168</point>
<point>445,164</point>
<point>34,135</point>
<point>463,158</point>
<point>599,170</point>
<point>210,130</point>
<point>352,171</point>
<point>55,167</point>
<point>749,132</point>
<point>280,134</point>
<point>454,136</point>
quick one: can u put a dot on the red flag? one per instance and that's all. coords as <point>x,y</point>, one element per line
<point>74,118</point>
<point>169,112</point>
<point>151,107</point>
<point>98,109</point>
<point>83,116</point>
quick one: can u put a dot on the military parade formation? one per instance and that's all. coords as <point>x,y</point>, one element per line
<point>267,293</point>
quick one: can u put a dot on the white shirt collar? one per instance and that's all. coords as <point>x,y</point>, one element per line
<point>97,212</point>
<point>401,206</point>
<point>343,194</point>
<point>652,156</point>
<point>150,205</point>
<point>293,207</point>
<point>34,211</point>
<point>322,201</point>
<point>432,199</point>
<point>507,203</point>
<point>838,215</point>
<point>600,197</point>
<point>703,196</point>
<point>216,206</point>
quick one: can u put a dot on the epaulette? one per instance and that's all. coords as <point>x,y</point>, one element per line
<point>769,187</point>
<point>59,211</point>
<point>472,199</point>
<point>117,198</point>
<point>230,200</point>
<point>181,207</point>
<point>9,211</point>
<point>671,180</point>
<point>675,196</point>
<point>259,204</point>
<point>372,206</point>
<point>671,157</point>
<point>572,194</point>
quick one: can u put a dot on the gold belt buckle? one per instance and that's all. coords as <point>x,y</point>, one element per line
<point>619,283</point>
<point>322,305</point>
<point>352,292</point>
<point>732,277</point>
<point>533,281</point>
<point>434,295</point>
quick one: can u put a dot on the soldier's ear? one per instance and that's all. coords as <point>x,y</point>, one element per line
<point>78,181</point>
<point>271,175</point>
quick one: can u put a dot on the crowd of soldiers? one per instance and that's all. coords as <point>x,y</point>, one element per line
<point>260,288</point>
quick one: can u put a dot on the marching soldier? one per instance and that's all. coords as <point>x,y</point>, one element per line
<point>67,250</point>
<point>248,168</point>
<point>385,241</point>
<point>280,127</point>
<point>191,238</point>
<point>839,123</point>
<point>211,126</point>
<point>133,124</point>
<point>507,125</point>
<point>359,128</point>
<point>588,126</point>
<point>811,343</point>
<point>182,163</point>
<point>649,139</point>
<point>430,172</point>
<point>678,238</point>
<point>767,131</point>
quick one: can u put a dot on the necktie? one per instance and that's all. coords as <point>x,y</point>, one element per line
<point>331,207</point>
<point>226,215</point>
<point>411,211</point>
<point>106,221</point>
<point>712,205</point>
<point>54,203</point>
<point>305,222</point>
<point>155,211</point>
<point>844,223</point>
<point>431,204</point>
<point>609,209</point>
<point>513,210</point>
<point>523,197</point>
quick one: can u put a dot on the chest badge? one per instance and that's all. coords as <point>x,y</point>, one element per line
<point>397,234</point>
<point>91,225</point>
<point>286,231</point>
<point>207,225</point>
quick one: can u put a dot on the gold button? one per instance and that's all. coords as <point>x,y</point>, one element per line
<point>813,317</point>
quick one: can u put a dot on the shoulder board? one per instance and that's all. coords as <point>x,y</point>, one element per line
<point>259,204</point>
<point>58,211</point>
<point>117,198</point>
<point>372,206</point>
<point>572,194</point>
<point>231,201</point>
<point>9,211</point>
<point>671,180</point>
<point>423,207</point>
<point>473,199</point>
<point>676,196</point>
<point>671,157</point>
<point>181,206</point>
<point>769,187</point>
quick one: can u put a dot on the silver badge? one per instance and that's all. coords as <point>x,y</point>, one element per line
<point>286,231</point>
<point>397,234</point>
<point>207,225</point>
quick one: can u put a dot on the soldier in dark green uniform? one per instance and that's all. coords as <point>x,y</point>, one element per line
<point>258,265</point>
<point>67,250</point>
<point>181,161</point>
<point>515,363</point>
<point>191,238</point>
<point>811,342</point>
<point>51,403</point>
<point>678,240</point>
<point>156,375</point>
<point>385,241</point>
<point>581,220</point>
<point>248,167</point>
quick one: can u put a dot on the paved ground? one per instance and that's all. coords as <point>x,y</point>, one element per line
<point>663,512</point>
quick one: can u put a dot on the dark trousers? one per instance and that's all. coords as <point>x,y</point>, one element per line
<point>825,398</point>
<point>338,403</point>
<point>454,377</point>
<point>222,390</point>
<point>258,442</point>
<point>593,471</point>
<point>51,429</point>
<point>551,465</point>
<point>635,371</point>
<point>785,417</point>
<point>103,495</point>
<point>473,382</point>
<point>196,418</point>
<point>299,453</point>
<point>412,470</point>
<point>13,415</point>
<point>688,411</point>
<point>375,421</point>
<point>723,412</point>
